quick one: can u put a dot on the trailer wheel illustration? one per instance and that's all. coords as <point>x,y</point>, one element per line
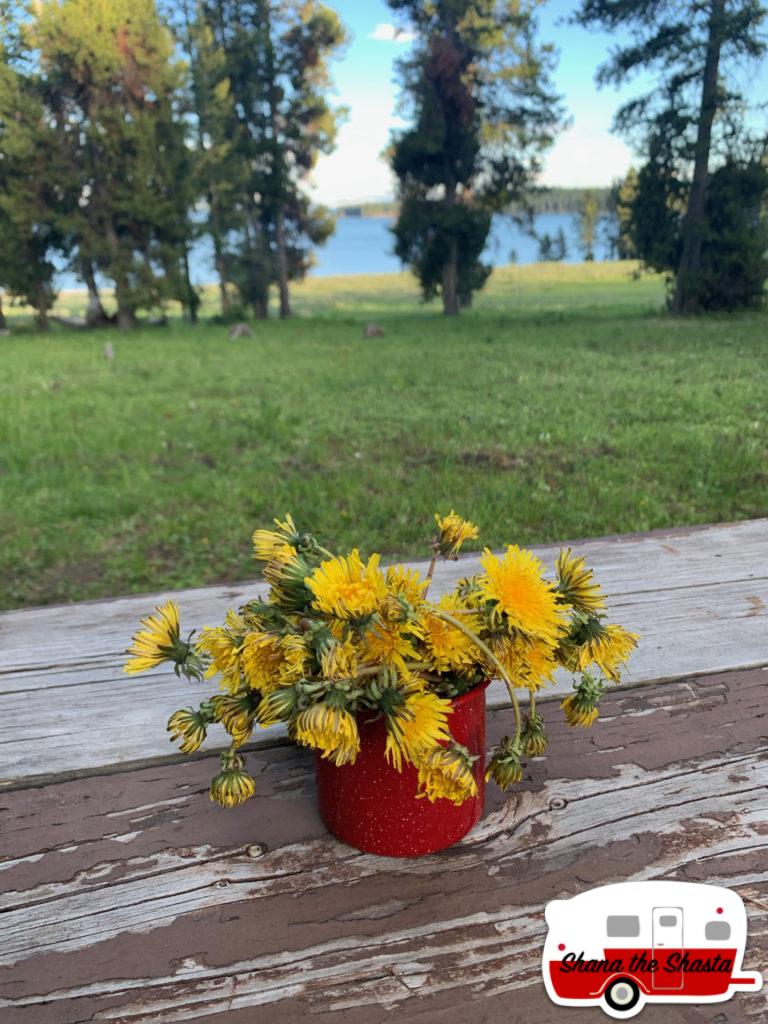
<point>623,996</point>
<point>623,946</point>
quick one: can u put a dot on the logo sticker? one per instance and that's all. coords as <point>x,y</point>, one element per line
<point>623,946</point>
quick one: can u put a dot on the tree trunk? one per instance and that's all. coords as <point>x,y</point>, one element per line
<point>451,280</point>
<point>278,173</point>
<point>192,299</point>
<point>282,264</point>
<point>41,307</point>
<point>95,315</point>
<point>3,321</point>
<point>126,316</point>
<point>224,303</point>
<point>686,299</point>
<point>218,250</point>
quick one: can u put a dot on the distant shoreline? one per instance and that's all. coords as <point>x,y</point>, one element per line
<point>524,268</point>
<point>546,200</point>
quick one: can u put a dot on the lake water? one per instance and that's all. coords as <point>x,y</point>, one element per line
<point>363,245</point>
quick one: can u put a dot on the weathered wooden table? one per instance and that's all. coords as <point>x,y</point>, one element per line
<point>129,897</point>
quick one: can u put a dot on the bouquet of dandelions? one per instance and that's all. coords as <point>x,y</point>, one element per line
<point>338,636</point>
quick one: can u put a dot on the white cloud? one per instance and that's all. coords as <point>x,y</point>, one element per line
<point>386,33</point>
<point>586,155</point>
<point>356,168</point>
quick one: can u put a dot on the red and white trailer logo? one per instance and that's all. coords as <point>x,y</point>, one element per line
<point>622,946</point>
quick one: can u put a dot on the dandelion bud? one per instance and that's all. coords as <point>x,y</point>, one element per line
<point>534,736</point>
<point>575,585</point>
<point>190,727</point>
<point>580,707</point>
<point>505,767</point>
<point>277,706</point>
<point>231,786</point>
<point>236,713</point>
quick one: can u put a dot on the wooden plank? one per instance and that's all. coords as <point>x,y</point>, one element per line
<point>665,560</point>
<point>132,899</point>
<point>698,598</point>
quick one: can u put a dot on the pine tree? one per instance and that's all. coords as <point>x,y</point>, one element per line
<point>219,175</point>
<point>621,197</point>
<point>276,57</point>
<point>483,112</point>
<point>113,82</point>
<point>589,221</point>
<point>33,188</point>
<point>694,48</point>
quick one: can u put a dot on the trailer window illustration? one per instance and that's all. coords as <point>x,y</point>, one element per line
<point>617,927</point>
<point>622,946</point>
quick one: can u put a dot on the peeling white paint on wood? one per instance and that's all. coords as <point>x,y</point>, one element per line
<point>166,928</point>
<point>139,896</point>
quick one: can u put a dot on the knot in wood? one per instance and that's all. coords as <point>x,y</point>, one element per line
<point>257,850</point>
<point>557,803</point>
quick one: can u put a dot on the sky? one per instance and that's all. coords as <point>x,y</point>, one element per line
<point>586,154</point>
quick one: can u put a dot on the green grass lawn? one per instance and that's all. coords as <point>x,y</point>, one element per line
<point>564,405</point>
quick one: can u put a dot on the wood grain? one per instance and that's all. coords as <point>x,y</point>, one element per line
<point>698,598</point>
<point>130,898</point>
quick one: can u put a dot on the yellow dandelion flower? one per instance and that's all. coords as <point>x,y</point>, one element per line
<point>446,773</point>
<point>158,641</point>
<point>339,661</point>
<point>594,643</point>
<point>610,650</point>
<point>539,664</point>
<point>190,727</point>
<point>575,584</point>
<point>515,586</point>
<point>276,545</point>
<point>263,659</point>
<point>527,660</point>
<point>348,588</point>
<point>453,532</point>
<point>406,583</point>
<point>296,658</point>
<point>390,643</point>
<point>330,729</point>
<point>445,646</point>
<point>222,645</point>
<point>416,720</point>
<point>231,786</point>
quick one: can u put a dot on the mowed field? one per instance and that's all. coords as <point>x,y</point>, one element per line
<point>566,404</point>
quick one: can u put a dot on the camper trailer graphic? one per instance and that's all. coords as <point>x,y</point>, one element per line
<point>622,946</point>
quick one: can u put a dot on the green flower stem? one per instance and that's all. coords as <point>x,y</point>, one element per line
<point>446,617</point>
<point>532,706</point>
